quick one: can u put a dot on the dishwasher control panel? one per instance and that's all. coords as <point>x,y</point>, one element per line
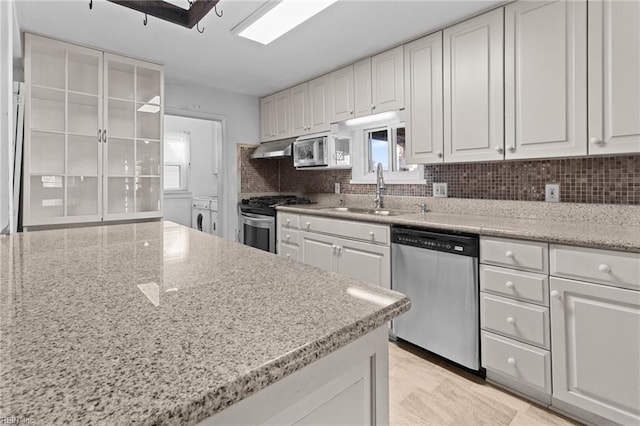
<point>464,245</point>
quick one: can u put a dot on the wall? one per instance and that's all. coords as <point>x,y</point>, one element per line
<point>240,117</point>
<point>605,180</point>
<point>6,113</point>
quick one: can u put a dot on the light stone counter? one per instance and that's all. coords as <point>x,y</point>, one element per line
<point>578,233</point>
<point>155,323</point>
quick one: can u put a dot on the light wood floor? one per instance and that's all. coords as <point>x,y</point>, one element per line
<point>424,390</point>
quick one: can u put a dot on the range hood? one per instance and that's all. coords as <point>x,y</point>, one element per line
<point>275,149</point>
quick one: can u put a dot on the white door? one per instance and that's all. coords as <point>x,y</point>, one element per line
<point>387,80</point>
<point>614,82</point>
<point>267,118</point>
<point>366,262</point>
<point>318,250</point>
<point>299,97</point>
<point>595,336</point>
<point>282,115</point>
<point>423,91</point>
<point>341,88</point>
<point>473,89</point>
<point>362,87</point>
<point>319,101</point>
<point>545,79</point>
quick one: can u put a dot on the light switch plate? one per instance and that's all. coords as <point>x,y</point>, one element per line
<point>439,189</point>
<point>336,187</point>
<point>552,193</point>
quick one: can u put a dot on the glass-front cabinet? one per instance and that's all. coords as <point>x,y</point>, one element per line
<point>92,135</point>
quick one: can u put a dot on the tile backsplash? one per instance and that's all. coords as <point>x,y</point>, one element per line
<point>602,180</point>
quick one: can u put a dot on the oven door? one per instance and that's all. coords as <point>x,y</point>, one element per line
<point>258,231</point>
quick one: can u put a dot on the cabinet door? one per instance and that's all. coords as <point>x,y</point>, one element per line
<point>545,79</point>
<point>319,101</point>
<point>299,97</point>
<point>282,115</point>
<point>63,133</point>
<point>423,89</point>
<point>366,262</point>
<point>267,118</point>
<point>595,336</point>
<point>318,250</point>
<point>362,87</point>
<point>387,80</point>
<point>133,104</point>
<point>473,89</point>
<point>341,94</point>
<point>614,85</point>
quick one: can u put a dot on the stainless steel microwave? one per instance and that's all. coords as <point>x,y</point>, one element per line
<point>311,151</point>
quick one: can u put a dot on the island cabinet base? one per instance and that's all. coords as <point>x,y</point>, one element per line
<point>348,386</point>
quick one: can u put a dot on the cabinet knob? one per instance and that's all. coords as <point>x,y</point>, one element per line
<point>288,237</point>
<point>99,135</point>
<point>373,107</point>
<point>288,220</point>
<point>512,148</point>
<point>308,224</point>
<point>499,149</point>
<point>511,320</point>
<point>511,361</point>
<point>339,248</point>
<point>372,234</point>
<point>596,141</point>
<point>288,255</point>
<point>555,293</point>
<point>439,154</point>
<point>604,268</point>
<point>509,284</point>
<point>509,254</point>
<point>350,112</point>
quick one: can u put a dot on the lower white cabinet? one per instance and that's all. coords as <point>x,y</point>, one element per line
<point>595,335</point>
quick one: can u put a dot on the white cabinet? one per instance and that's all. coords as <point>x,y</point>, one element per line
<point>319,250</point>
<point>283,127</point>
<point>362,87</point>
<point>341,94</point>
<point>473,89</point>
<point>423,91</point>
<point>93,137</point>
<point>595,335</point>
<point>319,101</point>
<point>545,79</point>
<point>614,67</point>
<point>387,80</point>
<point>268,118</point>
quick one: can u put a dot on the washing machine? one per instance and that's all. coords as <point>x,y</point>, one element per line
<point>201,214</point>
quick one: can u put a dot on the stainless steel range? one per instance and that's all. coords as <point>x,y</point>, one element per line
<point>258,219</point>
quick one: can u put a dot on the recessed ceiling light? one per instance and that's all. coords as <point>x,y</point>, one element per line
<point>275,18</point>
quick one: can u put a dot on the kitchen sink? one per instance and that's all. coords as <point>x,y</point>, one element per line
<point>360,210</point>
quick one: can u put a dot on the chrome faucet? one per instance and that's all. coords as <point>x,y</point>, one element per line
<point>377,201</point>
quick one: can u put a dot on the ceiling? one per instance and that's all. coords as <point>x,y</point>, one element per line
<point>339,35</point>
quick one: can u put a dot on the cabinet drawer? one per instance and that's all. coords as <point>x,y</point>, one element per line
<point>289,252</point>
<point>289,236</point>
<point>529,255</point>
<point>288,220</point>
<point>620,269</point>
<point>527,286</point>
<point>519,320</point>
<point>523,362</point>
<point>369,232</point>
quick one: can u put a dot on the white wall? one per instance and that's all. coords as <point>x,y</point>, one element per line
<point>240,117</point>
<point>6,112</point>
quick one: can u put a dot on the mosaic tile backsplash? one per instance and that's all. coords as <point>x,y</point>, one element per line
<point>602,180</point>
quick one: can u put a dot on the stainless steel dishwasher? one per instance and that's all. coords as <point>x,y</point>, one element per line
<point>439,273</point>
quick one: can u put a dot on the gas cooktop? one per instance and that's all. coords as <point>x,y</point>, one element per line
<point>267,205</point>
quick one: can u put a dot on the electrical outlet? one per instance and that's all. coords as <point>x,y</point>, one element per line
<point>336,187</point>
<point>439,189</point>
<point>552,193</point>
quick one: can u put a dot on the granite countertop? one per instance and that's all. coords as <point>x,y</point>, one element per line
<point>155,323</point>
<point>611,237</point>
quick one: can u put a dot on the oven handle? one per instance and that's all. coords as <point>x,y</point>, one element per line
<point>256,216</point>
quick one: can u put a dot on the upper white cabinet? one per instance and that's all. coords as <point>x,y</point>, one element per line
<point>319,101</point>
<point>545,79</point>
<point>283,127</point>
<point>614,82</point>
<point>387,80</point>
<point>93,134</point>
<point>267,118</point>
<point>362,87</point>
<point>341,94</point>
<point>299,99</point>
<point>423,91</point>
<point>473,89</point>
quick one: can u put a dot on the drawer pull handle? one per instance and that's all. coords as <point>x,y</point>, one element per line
<point>509,284</point>
<point>555,293</point>
<point>511,361</point>
<point>288,237</point>
<point>288,220</point>
<point>308,224</point>
<point>372,234</point>
<point>510,320</point>
<point>509,254</point>
<point>604,268</point>
<point>288,255</point>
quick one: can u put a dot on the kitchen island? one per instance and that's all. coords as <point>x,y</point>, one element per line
<point>156,323</point>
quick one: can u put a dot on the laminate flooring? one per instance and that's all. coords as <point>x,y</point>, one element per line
<point>424,390</point>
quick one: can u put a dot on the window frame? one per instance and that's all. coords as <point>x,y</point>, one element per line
<point>185,167</point>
